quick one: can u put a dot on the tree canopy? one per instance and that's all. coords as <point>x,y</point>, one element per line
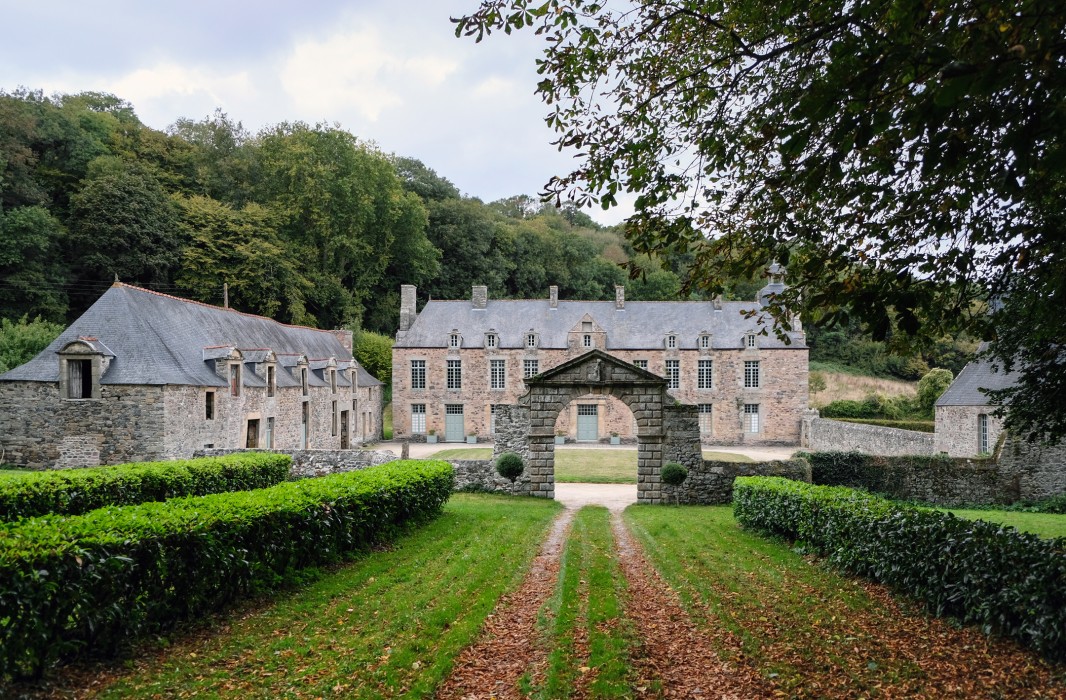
<point>905,159</point>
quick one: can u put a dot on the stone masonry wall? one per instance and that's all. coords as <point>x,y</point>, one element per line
<point>1037,472</point>
<point>39,429</point>
<point>956,429</point>
<point>312,463</point>
<point>825,435</point>
<point>512,431</point>
<point>711,483</point>
<point>480,475</point>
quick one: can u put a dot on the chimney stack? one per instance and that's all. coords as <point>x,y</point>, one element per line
<point>480,296</point>
<point>553,297</point>
<point>408,306</point>
<point>619,296</point>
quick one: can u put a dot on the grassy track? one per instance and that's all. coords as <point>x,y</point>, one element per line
<point>387,625</point>
<point>583,466</point>
<point>1043,524</point>
<point>587,611</point>
<point>814,632</point>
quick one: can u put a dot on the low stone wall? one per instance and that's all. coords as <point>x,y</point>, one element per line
<point>711,483</point>
<point>1035,472</point>
<point>825,435</point>
<point>480,475</point>
<point>309,463</point>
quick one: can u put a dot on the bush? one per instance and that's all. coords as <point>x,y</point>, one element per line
<point>510,466</point>
<point>844,408</point>
<point>673,474</point>
<point>94,582</point>
<point>922,426</point>
<point>978,572</point>
<point>931,387</point>
<point>22,340</point>
<point>76,491</point>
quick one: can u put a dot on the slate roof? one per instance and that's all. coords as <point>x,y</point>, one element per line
<point>159,339</point>
<point>977,375</point>
<point>640,325</point>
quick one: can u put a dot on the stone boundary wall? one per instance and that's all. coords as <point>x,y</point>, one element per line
<point>1037,472</point>
<point>826,435</point>
<point>480,475</point>
<point>711,483</point>
<point>309,463</point>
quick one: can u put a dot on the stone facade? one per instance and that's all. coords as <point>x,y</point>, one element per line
<point>314,463</point>
<point>958,430</point>
<point>1037,472</point>
<point>827,435</point>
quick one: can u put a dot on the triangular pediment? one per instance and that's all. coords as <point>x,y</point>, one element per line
<point>592,368</point>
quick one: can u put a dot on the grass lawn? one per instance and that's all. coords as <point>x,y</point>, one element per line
<point>1043,524</point>
<point>588,605</point>
<point>583,466</point>
<point>389,624</point>
<point>812,631</point>
<point>386,422</point>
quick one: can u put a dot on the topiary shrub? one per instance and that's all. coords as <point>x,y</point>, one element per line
<point>510,466</point>
<point>673,474</point>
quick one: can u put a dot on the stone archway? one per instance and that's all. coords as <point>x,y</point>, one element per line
<point>596,372</point>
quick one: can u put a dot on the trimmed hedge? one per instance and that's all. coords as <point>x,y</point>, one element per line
<point>921,426</point>
<point>77,491</point>
<point>982,573</point>
<point>90,584</point>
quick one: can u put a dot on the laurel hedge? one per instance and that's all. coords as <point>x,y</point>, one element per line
<point>983,573</point>
<point>89,584</point>
<point>77,491</point>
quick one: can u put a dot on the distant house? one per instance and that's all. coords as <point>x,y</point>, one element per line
<point>455,362</point>
<point>965,424</point>
<point>144,376</point>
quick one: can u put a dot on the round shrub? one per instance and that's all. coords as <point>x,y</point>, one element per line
<point>510,466</point>
<point>673,474</point>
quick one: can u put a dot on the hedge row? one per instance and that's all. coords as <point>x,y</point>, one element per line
<point>89,584</point>
<point>77,491</point>
<point>881,474</point>
<point>981,573</point>
<point>921,426</point>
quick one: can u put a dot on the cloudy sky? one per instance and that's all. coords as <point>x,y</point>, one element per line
<point>389,71</point>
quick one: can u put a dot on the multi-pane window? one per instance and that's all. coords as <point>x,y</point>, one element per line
<point>530,368</point>
<point>704,376</point>
<point>751,340</point>
<point>705,342</point>
<point>531,340</point>
<point>705,418</point>
<point>586,340</point>
<point>455,374</point>
<point>751,374</point>
<point>497,374</point>
<point>673,374</point>
<point>490,340</point>
<point>418,418</point>
<point>982,433</point>
<point>671,341</point>
<point>751,417</point>
<point>643,364</point>
<point>453,340</point>
<point>418,374</point>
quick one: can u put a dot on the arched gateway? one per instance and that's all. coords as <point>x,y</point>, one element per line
<point>596,372</point>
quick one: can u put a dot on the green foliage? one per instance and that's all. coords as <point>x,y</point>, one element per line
<point>673,474</point>
<point>96,581</point>
<point>31,263</point>
<point>875,407</point>
<point>922,426</point>
<point>879,474</point>
<point>980,573</point>
<point>510,466</point>
<point>932,386</point>
<point>816,382</point>
<point>374,352</point>
<point>22,340</point>
<point>77,491</point>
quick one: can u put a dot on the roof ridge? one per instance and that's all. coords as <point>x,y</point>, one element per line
<point>217,308</point>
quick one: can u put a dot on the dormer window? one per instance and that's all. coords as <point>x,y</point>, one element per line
<point>750,342</point>
<point>81,364</point>
<point>79,379</point>
<point>586,340</point>
<point>491,340</point>
<point>303,380</point>
<point>705,342</point>
<point>235,379</point>
<point>671,341</point>
<point>453,340</point>
<point>333,381</point>
<point>531,340</point>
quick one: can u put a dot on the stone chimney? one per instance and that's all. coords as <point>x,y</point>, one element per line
<point>408,306</point>
<point>553,297</point>
<point>480,296</point>
<point>345,336</point>
<point>619,296</point>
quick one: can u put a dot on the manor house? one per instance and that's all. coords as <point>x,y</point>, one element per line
<point>454,362</point>
<point>147,376</point>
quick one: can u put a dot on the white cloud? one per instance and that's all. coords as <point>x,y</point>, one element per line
<point>357,70</point>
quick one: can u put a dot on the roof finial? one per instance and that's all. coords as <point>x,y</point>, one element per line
<point>116,282</point>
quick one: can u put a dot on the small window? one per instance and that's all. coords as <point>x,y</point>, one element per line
<point>418,418</point>
<point>453,340</point>
<point>671,341</point>
<point>79,379</point>
<point>673,374</point>
<point>333,428</point>
<point>252,441</point>
<point>303,380</point>
<point>209,405</point>
<point>531,340</point>
<point>751,340</point>
<point>705,342</point>
<point>455,374</point>
<point>497,374</point>
<point>643,364</point>
<point>751,417</point>
<point>704,378</point>
<point>982,434</point>
<point>333,381</point>
<point>268,439</point>
<point>235,380</point>
<point>272,381</point>
<point>705,415</point>
<point>418,374</point>
<point>530,368</point>
<point>751,374</point>
<point>586,340</point>
<point>490,340</point>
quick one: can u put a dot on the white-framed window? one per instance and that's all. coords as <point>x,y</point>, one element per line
<point>705,415</point>
<point>750,340</point>
<point>705,342</point>
<point>982,433</point>
<point>490,340</point>
<point>418,374</point>
<point>751,374</point>
<point>497,374</point>
<point>643,364</point>
<point>751,417</point>
<point>418,418</point>
<point>671,341</point>
<point>673,374</point>
<point>586,340</point>
<point>530,368</point>
<point>531,340</point>
<point>455,374</point>
<point>705,374</point>
<point>453,340</point>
